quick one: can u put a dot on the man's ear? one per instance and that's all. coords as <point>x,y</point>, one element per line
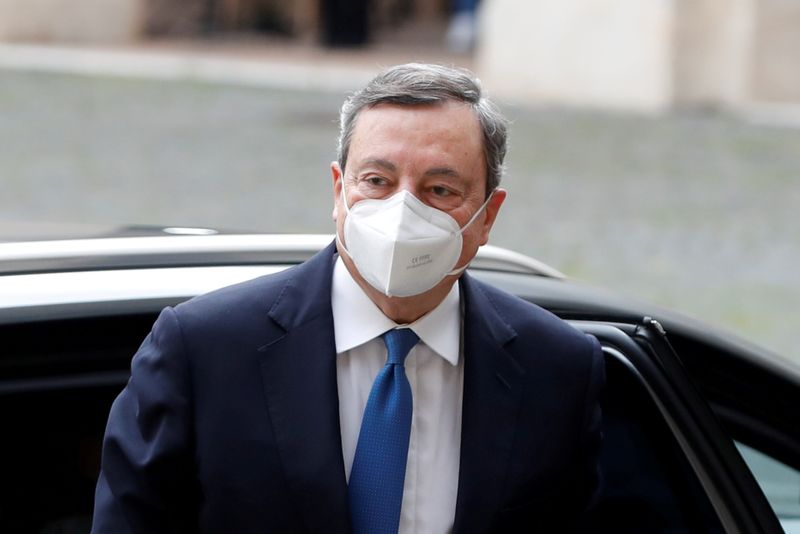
<point>336,173</point>
<point>492,209</point>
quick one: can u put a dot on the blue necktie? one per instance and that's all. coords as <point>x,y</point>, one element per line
<point>379,466</point>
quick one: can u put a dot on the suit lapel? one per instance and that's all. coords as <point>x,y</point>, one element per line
<point>492,399</point>
<point>299,372</point>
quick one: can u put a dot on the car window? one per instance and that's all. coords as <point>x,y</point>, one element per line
<point>779,482</point>
<point>50,457</point>
<point>57,382</point>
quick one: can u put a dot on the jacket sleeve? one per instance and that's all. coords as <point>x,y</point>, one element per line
<point>147,482</point>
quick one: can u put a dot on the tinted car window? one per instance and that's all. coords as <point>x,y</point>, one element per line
<point>57,382</point>
<point>50,458</point>
<point>779,482</point>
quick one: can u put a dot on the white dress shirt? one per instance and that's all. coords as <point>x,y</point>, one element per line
<point>435,371</point>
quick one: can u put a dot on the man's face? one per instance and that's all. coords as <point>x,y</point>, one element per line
<point>435,152</point>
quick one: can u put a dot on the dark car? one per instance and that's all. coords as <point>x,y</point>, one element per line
<point>701,429</point>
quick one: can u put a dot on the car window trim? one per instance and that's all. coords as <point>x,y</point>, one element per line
<point>56,383</point>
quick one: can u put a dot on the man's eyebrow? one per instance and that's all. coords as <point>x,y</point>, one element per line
<point>388,165</point>
<point>442,171</point>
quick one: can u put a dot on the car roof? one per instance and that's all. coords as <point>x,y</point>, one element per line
<point>173,249</point>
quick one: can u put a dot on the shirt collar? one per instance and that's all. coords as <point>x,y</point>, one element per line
<point>357,320</point>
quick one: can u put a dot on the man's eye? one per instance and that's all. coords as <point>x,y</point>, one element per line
<point>440,191</point>
<point>375,180</point>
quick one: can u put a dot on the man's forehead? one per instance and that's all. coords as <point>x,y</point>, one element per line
<point>434,105</point>
<point>384,114</point>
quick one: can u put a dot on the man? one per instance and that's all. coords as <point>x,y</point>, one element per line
<point>270,406</point>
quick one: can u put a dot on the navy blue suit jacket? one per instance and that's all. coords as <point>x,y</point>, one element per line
<point>230,421</point>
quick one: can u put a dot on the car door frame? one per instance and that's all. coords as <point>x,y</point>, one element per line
<point>732,490</point>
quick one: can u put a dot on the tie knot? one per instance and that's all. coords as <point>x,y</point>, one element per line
<point>399,343</point>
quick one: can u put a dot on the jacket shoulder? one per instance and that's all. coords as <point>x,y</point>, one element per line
<point>530,321</point>
<point>308,278</point>
<point>249,296</point>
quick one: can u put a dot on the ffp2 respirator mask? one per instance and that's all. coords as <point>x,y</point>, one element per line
<point>400,245</point>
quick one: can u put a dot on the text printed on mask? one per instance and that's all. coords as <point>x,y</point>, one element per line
<point>419,261</point>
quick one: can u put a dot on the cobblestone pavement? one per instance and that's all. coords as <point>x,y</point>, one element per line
<point>695,212</point>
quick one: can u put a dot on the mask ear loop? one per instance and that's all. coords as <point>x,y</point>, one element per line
<point>347,210</point>
<point>344,196</point>
<point>475,216</point>
<point>461,231</point>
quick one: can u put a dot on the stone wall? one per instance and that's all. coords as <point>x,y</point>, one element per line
<point>646,55</point>
<point>712,61</point>
<point>776,54</point>
<point>71,21</point>
<point>589,52</point>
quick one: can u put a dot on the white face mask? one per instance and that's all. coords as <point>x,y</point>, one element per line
<point>400,245</point>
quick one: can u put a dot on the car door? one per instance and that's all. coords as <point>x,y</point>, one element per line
<point>755,396</point>
<point>668,464</point>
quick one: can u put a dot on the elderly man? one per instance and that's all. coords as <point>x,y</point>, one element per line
<point>376,387</point>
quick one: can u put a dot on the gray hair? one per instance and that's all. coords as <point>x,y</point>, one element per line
<point>418,83</point>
